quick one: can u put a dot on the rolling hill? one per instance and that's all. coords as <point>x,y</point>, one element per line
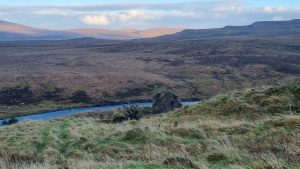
<point>258,29</point>
<point>124,33</point>
<point>12,31</point>
<point>16,32</point>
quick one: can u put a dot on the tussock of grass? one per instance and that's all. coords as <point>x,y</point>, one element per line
<point>232,131</point>
<point>250,103</point>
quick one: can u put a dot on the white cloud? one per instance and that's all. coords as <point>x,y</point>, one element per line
<point>53,12</point>
<point>134,15</point>
<point>279,9</point>
<point>230,8</point>
<point>96,20</point>
<point>190,14</point>
<point>268,9</point>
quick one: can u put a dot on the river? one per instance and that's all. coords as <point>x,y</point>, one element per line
<point>72,111</point>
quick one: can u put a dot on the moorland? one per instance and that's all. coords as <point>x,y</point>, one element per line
<point>50,72</point>
<point>247,79</point>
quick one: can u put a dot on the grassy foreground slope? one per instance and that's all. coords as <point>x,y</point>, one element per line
<point>250,129</point>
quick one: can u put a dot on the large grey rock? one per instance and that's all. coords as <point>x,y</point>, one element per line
<point>165,102</point>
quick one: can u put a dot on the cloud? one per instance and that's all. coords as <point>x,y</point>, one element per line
<point>189,14</point>
<point>267,9</point>
<point>230,8</point>
<point>53,12</point>
<point>96,20</point>
<point>279,9</point>
<point>134,15</point>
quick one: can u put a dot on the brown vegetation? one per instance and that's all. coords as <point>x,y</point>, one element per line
<point>136,70</point>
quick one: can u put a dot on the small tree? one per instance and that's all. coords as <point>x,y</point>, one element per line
<point>129,113</point>
<point>12,120</point>
<point>132,113</point>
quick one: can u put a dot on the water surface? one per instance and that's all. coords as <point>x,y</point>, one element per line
<point>72,111</point>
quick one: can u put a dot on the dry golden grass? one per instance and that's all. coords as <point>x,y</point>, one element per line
<point>201,136</point>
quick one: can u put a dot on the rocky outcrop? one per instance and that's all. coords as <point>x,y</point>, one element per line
<point>165,102</point>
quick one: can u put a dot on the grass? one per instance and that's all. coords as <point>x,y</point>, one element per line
<point>239,130</point>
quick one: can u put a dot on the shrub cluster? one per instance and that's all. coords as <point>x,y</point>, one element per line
<point>129,113</point>
<point>10,121</point>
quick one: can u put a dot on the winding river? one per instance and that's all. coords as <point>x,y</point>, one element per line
<point>72,111</point>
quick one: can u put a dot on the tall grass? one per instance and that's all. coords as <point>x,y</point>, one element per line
<point>220,133</point>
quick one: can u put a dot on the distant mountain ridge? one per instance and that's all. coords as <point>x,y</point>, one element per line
<point>17,28</point>
<point>13,31</point>
<point>125,33</point>
<point>257,29</point>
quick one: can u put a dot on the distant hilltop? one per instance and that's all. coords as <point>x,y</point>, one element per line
<point>12,31</point>
<point>257,29</point>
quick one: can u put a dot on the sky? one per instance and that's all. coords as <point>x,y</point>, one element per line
<point>142,14</point>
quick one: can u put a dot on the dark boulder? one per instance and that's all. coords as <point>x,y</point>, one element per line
<point>165,102</point>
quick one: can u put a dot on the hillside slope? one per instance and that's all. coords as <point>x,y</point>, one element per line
<point>255,129</point>
<point>17,28</point>
<point>258,29</point>
<point>15,32</point>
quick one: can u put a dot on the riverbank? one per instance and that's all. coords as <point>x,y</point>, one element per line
<point>31,109</point>
<point>72,111</point>
<point>50,106</point>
